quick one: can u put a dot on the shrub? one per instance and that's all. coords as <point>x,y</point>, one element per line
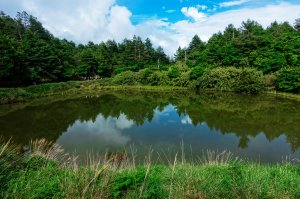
<point>270,81</point>
<point>246,80</point>
<point>173,72</point>
<point>144,74</point>
<point>196,72</point>
<point>183,80</point>
<point>159,78</point>
<point>249,80</point>
<point>127,78</point>
<point>288,80</point>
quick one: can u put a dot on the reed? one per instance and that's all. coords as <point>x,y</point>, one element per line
<point>118,175</point>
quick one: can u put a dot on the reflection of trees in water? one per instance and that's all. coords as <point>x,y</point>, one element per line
<point>247,116</point>
<point>244,115</point>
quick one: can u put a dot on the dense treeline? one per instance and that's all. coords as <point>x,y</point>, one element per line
<point>30,54</point>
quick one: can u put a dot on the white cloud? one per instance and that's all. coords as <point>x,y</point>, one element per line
<point>122,122</point>
<point>172,35</point>
<point>193,13</point>
<point>233,3</point>
<point>80,21</point>
<point>186,120</point>
<point>119,25</point>
<point>202,7</point>
<point>100,20</point>
<point>102,131</point>
<point>170,11</point>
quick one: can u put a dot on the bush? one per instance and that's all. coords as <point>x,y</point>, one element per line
<point>183,80</point>
<point>196,72</point>
<point>174,72</point>
<point>270,81</point>
<point>247,80</point>
<point>159,78</point>
<point>127,78</point>
<point>288,80</point>
<point>144,74</point>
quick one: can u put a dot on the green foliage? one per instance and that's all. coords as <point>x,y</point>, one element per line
<point>245,80</point>
<point>127,78</point>
<point>30,54</point>
<point>173,72</point>
<point>288,80</point>
<point>183,80</point>
<point>270,81</point>
<point>196,72</point>
<point>249,81</point>
<point>10,164</point>
<point>159,78</point>
<point>41,183</point>
<point>144,74</point>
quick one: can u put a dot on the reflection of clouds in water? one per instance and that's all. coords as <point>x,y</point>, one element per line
<point>105,131</point>
<point>186,120</point>
<point>122,122</point>
<point>166,111</point>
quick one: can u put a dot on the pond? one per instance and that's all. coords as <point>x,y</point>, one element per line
<point>261,128</point>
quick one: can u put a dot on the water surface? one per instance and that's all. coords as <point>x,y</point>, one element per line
<point>259,128</point>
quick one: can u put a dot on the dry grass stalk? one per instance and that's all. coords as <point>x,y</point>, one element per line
<point>48,150</point>
<point>173,171</point>
<point>117,159</point>
<point>215,158</point>
<point>144,182</point>
<point>5,146</point>
<point>97,173</point>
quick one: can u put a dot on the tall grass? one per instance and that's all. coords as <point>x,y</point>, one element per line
<point>117,175</point>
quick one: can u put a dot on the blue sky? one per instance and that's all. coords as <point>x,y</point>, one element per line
<point>168,23</point>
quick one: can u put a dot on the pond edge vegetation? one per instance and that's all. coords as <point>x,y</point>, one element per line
<point>47,172</point>
<point>95,87</point>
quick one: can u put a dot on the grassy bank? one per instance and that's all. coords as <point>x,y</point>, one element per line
<point>22,94</point>
<point>64,89</point>
<point>48,173</point>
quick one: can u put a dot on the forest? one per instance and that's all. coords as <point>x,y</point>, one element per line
<point>249,58</point>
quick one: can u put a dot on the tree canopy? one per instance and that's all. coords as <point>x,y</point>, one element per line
<point>31,54</point>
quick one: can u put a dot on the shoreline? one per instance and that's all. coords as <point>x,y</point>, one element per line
<point>48,173</point>
<point>25,94</point>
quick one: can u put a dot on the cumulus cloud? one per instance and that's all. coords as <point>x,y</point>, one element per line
<point>119,25</point>
<point>99,20</point>
<point>193,13</point>
<point>77,20</point>
<point>172,35</point>
<point>102,131</point>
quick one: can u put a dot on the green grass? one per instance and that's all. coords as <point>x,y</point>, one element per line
<point>22,94</point>
<point>40,177</point>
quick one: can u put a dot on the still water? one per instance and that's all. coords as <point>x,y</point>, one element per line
<point>260,128</point>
